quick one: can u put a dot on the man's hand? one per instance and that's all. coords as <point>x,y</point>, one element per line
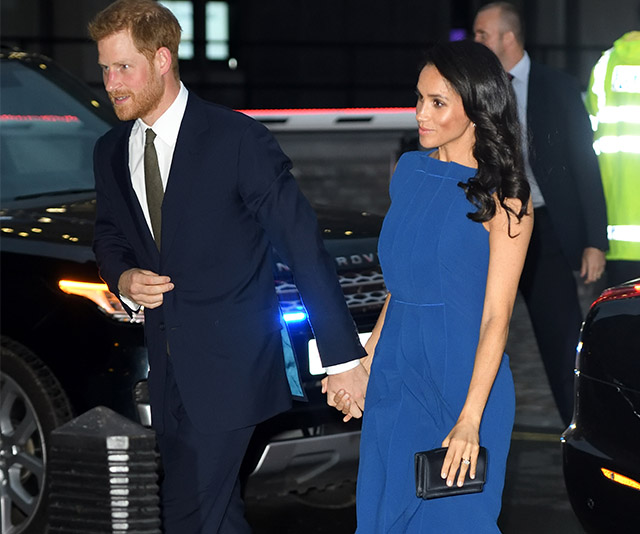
<point>593,263</point>
<point>354,383</point>
<point>144,287</point>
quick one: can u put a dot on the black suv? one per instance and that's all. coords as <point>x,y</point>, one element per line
<point>601,447</point>
<point>67,345</point>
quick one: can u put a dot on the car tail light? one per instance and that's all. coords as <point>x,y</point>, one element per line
<point>106,301</point>
<point>620,479</point>
<point>617,293</point>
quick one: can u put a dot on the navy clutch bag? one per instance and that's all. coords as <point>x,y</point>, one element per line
<point>429,483</point>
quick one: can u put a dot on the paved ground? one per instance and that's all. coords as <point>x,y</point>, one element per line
<point>534,502</point>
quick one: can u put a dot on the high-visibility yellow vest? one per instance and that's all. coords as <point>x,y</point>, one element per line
<point>613,102</point>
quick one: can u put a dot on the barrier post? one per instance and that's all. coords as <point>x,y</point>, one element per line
<point>103,476</point>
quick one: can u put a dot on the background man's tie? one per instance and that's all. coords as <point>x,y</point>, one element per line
<point>153,184</point>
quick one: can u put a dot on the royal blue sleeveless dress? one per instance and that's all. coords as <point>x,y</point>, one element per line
<point>435,262</point>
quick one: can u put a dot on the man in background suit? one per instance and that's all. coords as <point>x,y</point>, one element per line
<point>570,229</point>
<point>191,197</point>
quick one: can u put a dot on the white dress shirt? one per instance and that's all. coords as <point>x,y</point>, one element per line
<point>166,129</point>
<point>520,83</point>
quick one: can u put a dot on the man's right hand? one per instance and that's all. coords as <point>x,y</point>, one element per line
<point>144,287</point>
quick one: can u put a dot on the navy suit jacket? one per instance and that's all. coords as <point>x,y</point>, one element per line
<point>564,163</point>
<point>230,197</point>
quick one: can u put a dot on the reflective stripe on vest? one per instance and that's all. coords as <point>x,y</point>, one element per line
<point>597,87</point>
<point>629,233</point>
<point>609,144</point>
<point>617,114</point>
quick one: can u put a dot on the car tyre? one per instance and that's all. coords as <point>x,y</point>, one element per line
<point>32,404</point>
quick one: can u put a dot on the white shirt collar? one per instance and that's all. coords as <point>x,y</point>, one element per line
<point>168,125</point>
<point>520,70</point>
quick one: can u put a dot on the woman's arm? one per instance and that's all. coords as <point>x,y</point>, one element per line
<point>342,397</point>
<point>506,259</point>
<point>372,342</point>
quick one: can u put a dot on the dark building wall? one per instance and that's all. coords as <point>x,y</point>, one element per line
<point>334,53</point>
<point>329,53</point>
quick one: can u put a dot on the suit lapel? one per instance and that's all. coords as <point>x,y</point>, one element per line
<point>122,176</point>
<point>192,140</point>
<point>536,112</point>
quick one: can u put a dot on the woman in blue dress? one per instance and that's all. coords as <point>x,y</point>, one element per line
<point>452,248</point>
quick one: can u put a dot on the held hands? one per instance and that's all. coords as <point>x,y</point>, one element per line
<point>144,287</point>
<point>346,391</point>
<point>343,404</point>
<point>463,445</point>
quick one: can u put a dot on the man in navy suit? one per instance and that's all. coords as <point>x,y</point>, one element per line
<point>191,198</point>
<point>570,229</point>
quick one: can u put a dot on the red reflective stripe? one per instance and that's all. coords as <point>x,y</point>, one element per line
<point>43,118</point>
<point>324,111</point>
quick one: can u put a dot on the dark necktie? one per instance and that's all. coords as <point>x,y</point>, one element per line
<point>153,184</point>
<point>511,76</point>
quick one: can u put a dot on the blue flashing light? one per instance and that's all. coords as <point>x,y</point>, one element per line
<point>294,317</point>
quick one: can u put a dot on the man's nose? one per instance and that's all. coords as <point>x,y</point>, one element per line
<point>111,80</point>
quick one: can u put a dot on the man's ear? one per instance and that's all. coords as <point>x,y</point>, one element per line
<point>163,59</point>
<point>509,38</point>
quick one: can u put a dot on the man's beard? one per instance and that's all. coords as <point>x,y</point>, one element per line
<point>140,104</point>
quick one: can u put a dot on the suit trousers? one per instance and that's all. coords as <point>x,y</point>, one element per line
<point>551,295</point>
<point>200,491</point>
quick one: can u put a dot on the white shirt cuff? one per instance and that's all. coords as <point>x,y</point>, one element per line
<point>133,305</point>
<point>342,367</point>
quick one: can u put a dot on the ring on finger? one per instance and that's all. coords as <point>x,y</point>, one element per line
<point>466,461</point>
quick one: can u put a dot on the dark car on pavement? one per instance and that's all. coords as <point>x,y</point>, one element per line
<point>601,447</point>
<point>68,346</point>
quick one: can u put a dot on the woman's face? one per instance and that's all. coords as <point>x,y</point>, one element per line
<point>442,121</point>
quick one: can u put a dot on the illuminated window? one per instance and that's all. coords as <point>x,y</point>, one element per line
<point>183,11</point>
<point>217,30</point>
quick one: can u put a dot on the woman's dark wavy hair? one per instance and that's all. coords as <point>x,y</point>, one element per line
<point>475,73</point>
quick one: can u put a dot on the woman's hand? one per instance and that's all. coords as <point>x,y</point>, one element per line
<point>343,404</point>
<point>463,445</point>
<point>342,397</point>
<point>343,401</point>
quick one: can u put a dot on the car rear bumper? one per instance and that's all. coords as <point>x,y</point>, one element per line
<point>601,504</point>
<point>292,461</point>
<point>304,463</point>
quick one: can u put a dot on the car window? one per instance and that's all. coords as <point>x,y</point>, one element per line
<point>46,135</point>
<point>346,169</point>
